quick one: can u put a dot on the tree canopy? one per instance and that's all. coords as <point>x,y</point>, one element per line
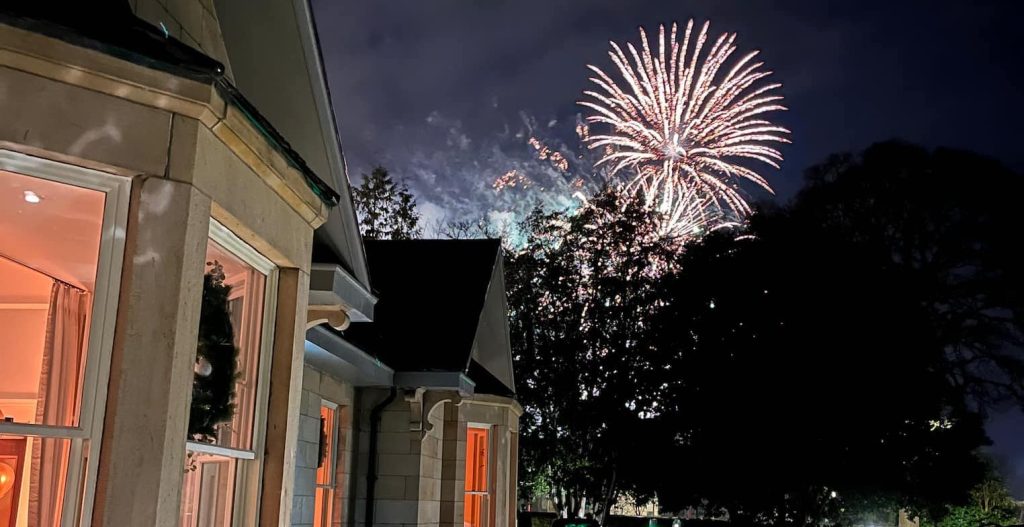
<point>851,340</point>
<point>580,291</point>
<point>990,505</point>
<point>835,357</point>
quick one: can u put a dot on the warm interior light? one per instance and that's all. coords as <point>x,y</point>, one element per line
<point>32,197</point>
<point>6,478</point>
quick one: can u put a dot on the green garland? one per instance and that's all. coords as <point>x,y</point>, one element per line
<point>213,387</point>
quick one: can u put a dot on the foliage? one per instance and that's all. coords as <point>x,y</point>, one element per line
<point>990,505</point>
<point>387,210</point>
<point>580,293</point>
<point>213,394</point>
<point>848,342</point>
<point>991,496</point>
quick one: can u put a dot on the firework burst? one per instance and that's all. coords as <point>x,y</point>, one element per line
<point>679,128</point>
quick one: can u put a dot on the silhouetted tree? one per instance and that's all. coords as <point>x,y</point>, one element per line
<point>581,292</point>
<point>386,210</point>
<point>839,356</point>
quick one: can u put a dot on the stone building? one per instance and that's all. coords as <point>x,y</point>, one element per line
<point>148,147</point>
<point>426,392</point>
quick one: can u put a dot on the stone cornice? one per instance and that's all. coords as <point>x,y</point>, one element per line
<point>60,61</point>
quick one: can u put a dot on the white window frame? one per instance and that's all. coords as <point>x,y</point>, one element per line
<point>85,438</point>
<point>249,463</point>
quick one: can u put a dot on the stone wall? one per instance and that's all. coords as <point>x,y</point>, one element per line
<point>408,487</point>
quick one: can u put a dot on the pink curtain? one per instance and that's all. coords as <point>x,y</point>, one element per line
<point>58,401</point>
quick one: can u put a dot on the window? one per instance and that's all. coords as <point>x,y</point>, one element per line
<point>326,470</point>
<point>222,472</point>
<point>61,244</point>
<point>477,500</point>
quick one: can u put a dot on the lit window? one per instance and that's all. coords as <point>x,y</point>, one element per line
<point>477,500</point>
<point>326,469</point>
<point>48,262</point>
<point>58,253</point>
<point>222,464</point>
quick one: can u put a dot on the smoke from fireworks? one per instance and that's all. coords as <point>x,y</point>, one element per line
<point>679,129</point>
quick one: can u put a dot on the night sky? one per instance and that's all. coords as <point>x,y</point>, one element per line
<point>445,93</point>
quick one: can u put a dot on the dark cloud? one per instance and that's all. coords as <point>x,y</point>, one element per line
<point>437,90</point>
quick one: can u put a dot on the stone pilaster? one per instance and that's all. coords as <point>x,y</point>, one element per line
<point>453,471</point>
<point>142,454</point>
<point>283,408</point>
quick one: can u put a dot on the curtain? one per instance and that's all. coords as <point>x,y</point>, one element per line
<point>58,400</point>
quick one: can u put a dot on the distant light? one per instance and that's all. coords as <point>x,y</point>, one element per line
<point>834,494</point>
<point>32,197</point>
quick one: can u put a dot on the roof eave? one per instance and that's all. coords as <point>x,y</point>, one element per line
<point>331,285</point>
<point>328,352</point>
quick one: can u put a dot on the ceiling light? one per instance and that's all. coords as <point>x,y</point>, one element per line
<point>32,197</point>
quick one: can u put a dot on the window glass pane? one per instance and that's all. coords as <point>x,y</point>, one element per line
<point>33,475</point>
<point>224,394</point>
<point>475,513</point>
<point>476,459</point>
<point>323,507</point>
<point>325,471</point>
<point>49,248</point>
<point>209,490</point>
<point>245,288</point>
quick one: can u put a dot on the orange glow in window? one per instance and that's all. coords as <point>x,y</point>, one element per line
<point>476,501</point>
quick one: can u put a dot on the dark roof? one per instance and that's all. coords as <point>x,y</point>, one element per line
<point>109,26</point>
<point>430,297</point>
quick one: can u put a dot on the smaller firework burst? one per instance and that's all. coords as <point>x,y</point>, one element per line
<point>511,179</point>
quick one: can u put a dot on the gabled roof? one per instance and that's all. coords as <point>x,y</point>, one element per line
<point>275,58</point>
<point>441,308</point>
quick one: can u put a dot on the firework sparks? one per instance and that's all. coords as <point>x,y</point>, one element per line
<point>544,153</point>
<point>512,178</point>
<point>679,128</point>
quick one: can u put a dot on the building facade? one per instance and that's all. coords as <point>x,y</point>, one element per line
<point>166,162</point>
